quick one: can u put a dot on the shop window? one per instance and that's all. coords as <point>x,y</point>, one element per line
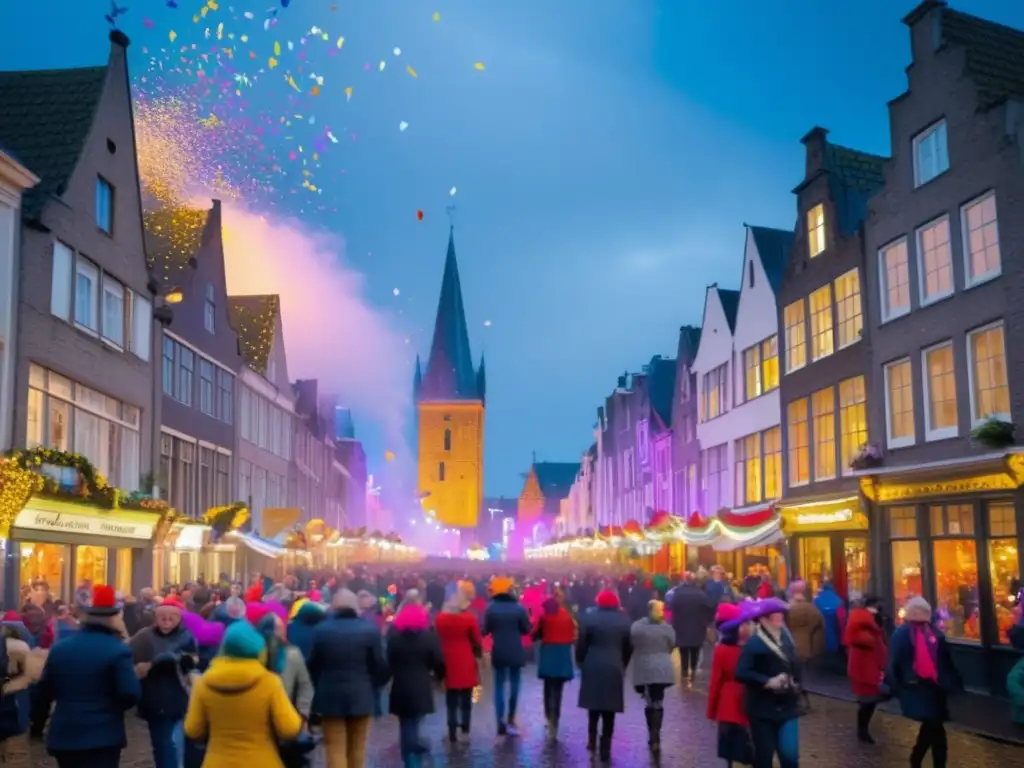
<point>90,565</point>
<point>815,561</point>
<point>952,519</point>
<point>855,556</point>
<point>902,522</point>
<point>42,571</point>
<point>906,574</point>
<point>956,570</point>
<point>823,405</point>
<point>123,571</point>
<point>1004,566</point>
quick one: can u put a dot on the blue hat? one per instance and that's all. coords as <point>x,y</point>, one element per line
<point>242,641</point>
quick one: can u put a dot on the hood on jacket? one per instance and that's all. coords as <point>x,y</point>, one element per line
<point>504,597</point>
<point>310,614</point>
<point>231,677</point>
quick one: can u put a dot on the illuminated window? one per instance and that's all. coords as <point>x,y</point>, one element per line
<point>747,476</point>
<point>1004,565</point>
<point>990,390</point>
<point>90,565</point>
<point>821,323</point>
<point>980,229</point>
<point>931,153</point>
<point>770,363</point>
<point>894,280</point>
<point>906,557</point>
<point>939,382</point>
<point>716,469</point>
<point>796,336</point>
<point>715,383</point>
<point>772,462</point>
<point>798,438</point>
<point>956,570</point>
<point>42,568</point>
<point>848,308</point>
<point>823,405</point>
<point>752,372</point>
<point>934,261</point>
<point>899,404</point>
<point>853,419</point>
<point>447,439</point>
<point>816,230</point>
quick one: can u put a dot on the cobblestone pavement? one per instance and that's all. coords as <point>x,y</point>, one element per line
<point>826,738</point>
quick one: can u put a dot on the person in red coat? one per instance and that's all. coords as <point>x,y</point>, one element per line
<point>556,631</point>
<point>462,646</point>
<point>725,693</point>
<point>868,658</point>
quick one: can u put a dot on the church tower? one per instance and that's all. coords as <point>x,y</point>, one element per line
<point>450,396</point>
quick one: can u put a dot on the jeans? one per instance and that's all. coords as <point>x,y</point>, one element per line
<point>771,738</point>
<point>931,735</point>
<point>409,743</point>
<point>512,676</point>
<point>553,699</point>
<point>89,758</point>
<point>459,703</point>
<point>168,740</point>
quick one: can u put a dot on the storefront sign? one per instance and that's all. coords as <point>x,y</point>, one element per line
<point>998,482</point>
<point>68,522</point>
<point>825,518</point>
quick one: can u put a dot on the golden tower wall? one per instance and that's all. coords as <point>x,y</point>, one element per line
<point>458,496</point>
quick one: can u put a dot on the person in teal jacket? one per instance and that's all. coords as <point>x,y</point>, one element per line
<point>1015,680</point>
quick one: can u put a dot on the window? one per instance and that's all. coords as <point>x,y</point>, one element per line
<point>799,445</point>
<point>956,570</point>
<point>934,261</point>
<point>168,366</point>
<point>715,383</point>
<point>894,282</point>
<point>821,323</point>
<point>642,441</point>
<point>684,386</point>
<point>906,557</point>
<point>990,391</point>
<point>166,476</point>
<point>748,470</point>
<point>206,386</point>
<point>931,155</point>
<point>1004,564</point>
<point>939,382</point>
<point>716,469</point>
<point>816,230</point>
<point>750,274</point>
<point>245,414</point>
<point>848,310</point>
<point>104,205</point>
<point>226,396</point>
<point>770,363</point>
<point>209,310</point>
<point>87,283</point>
<point>440,471</point>
<point>823,407</point>
<point>796,336</point>
<point>773,463</point>
<point>186,370</point>
<point>980,229</point>
<point>68,416</point>
<point>113,311</point>
<point>205,479</point>
<point>853,419</point>
<point>752,386</point>
<point>899,404</point>
<point>141,325</point>
<point>60,284</point>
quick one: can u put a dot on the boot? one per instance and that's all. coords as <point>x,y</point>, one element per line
<point>864,714</point>
<point>657,715</point>
<point>591,732</point>
<point>605,749</point>
<point>453,734</point>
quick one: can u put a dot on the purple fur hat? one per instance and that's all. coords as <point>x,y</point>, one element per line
<point>278,608</point>
<point>752,610</point>
<point>206,633</point>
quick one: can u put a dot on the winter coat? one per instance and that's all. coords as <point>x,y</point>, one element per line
<point>833,612</point>
<point>416,658</point>
<point>1015,687</point>
<point>921,700</point>
<point>807,626</point>
<point>347,667</point>
<point>173,655</point>
<point>653,644</point>
<point>300,629</point>
<point>296,681</point>
<point>461,646</point>
<point>556,634</point>
<point>241,709</point>
<point>717,591</point>
<point>758,663</point>
<point>725,693</point>
<point>602,654</point>
<point>91,682</point>
<point>506,621</point>
<point>692,613</point>
<point>868,653</point>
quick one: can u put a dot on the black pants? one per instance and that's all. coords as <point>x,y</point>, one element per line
<point>607,722</point>
<point>459,703</point>
<point>931,735</point>
<point>89,758</point>
<point>553,698</point>
<point>689,658</point>
<point>38,713</point>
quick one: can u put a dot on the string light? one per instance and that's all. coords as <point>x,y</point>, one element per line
<point>255,327</point>
<point>174,234</point>
<point>17,485</point>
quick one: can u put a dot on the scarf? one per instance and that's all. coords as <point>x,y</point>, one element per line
<point>925,652</point>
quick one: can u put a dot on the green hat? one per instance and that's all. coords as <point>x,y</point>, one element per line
<point>242,641</point>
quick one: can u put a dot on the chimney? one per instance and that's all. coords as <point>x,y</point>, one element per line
<point>925,23</point>
<point>815,141</point>
<point>119,40</point>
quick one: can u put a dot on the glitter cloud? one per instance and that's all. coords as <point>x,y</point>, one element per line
<point>331,332</point>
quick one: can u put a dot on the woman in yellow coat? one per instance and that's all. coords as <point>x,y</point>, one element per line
<point>239,707</point>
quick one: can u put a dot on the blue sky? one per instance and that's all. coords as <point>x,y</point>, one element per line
<point>605,161</point>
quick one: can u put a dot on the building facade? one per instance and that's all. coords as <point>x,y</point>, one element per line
<point>84,376</point>
<point>317,469</point>
<point>943,245</point>
<point>577,513</point>
<point>825,357</point>
<point>200,361</point>
<point>686,475</point>
<point>546,487</point>
<point>450,397</point>
<point>656,459</point>
<point>349,452</point>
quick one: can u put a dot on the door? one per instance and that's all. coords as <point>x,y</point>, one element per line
<point>815,553</point>
<point>855,557</point>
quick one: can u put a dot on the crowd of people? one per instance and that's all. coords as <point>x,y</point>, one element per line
<point>262,674</point>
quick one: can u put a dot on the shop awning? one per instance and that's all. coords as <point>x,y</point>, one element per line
<point>62,522</point>
<point>257,545</point>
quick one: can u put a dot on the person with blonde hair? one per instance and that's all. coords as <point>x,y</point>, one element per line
<point>653,672</point>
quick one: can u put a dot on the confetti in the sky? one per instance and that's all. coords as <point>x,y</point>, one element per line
<point>403,125</point>
<point>437,17</point>
<point>397,51</point>
<point>479,66</point>
<point>411,71</point>
<point>382,65</point>
<point>419,215</point>
<point>396,291</point>
<point>172,35</point>
<point>452,192</point>
<point>487,323</point>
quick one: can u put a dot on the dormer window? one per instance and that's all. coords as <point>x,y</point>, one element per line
<point>931,153</point>
<point>104,205</point>
<point>816,230</point>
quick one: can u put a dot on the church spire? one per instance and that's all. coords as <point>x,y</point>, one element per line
<point>449,373</point>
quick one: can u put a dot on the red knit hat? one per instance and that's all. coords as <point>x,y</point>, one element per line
<point>103,602</point>
<point>172,602</point>
<point>12,616</point>
<point>726,612</point>
<point>608,599</point>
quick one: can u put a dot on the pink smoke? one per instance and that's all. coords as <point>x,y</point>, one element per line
<point>331,332</point>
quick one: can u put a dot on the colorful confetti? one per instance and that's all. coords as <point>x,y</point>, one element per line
<point>452,192</point>
<point>419,215</point>
<point>403,125</point>
<point>411,71</point>
<point>479,66</point>
<point>396,292</point>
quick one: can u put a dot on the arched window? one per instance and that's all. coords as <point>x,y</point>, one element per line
<point>447,439</point>
<point>440,471</point>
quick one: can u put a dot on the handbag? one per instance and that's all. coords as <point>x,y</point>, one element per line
<point>294,752</point>
<point>803,699</point>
